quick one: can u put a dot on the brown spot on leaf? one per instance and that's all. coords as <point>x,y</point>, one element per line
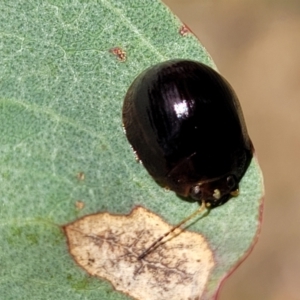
<point>119,53</point>
<point>184,30</point>
<point>80,176</point>
<point>108,246</point>
<point>79,205</point>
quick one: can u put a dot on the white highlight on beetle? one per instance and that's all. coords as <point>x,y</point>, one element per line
<point>181,109</point>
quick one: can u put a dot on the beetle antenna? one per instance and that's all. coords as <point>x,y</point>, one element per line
<point>153,245</point>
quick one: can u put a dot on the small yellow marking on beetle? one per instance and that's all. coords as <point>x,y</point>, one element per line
<point>217,194</point>
<point>235,193</point>
<point>108,246</point>
<point>207,204</point>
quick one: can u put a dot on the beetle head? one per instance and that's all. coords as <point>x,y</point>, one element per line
<point>215,192</point>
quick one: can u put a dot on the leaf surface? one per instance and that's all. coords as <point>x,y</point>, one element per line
<point>61,141</point>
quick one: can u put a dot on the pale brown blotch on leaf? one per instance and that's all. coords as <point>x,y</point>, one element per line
<point>108,246</point>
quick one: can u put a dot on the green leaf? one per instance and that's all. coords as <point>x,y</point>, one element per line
<point>61,141</point>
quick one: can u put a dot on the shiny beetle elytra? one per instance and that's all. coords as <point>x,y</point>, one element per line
<point>185,124</point>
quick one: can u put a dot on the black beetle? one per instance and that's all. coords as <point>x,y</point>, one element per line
<point>185,124</point>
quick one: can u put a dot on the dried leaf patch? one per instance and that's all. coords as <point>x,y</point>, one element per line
<point>108,246</point>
